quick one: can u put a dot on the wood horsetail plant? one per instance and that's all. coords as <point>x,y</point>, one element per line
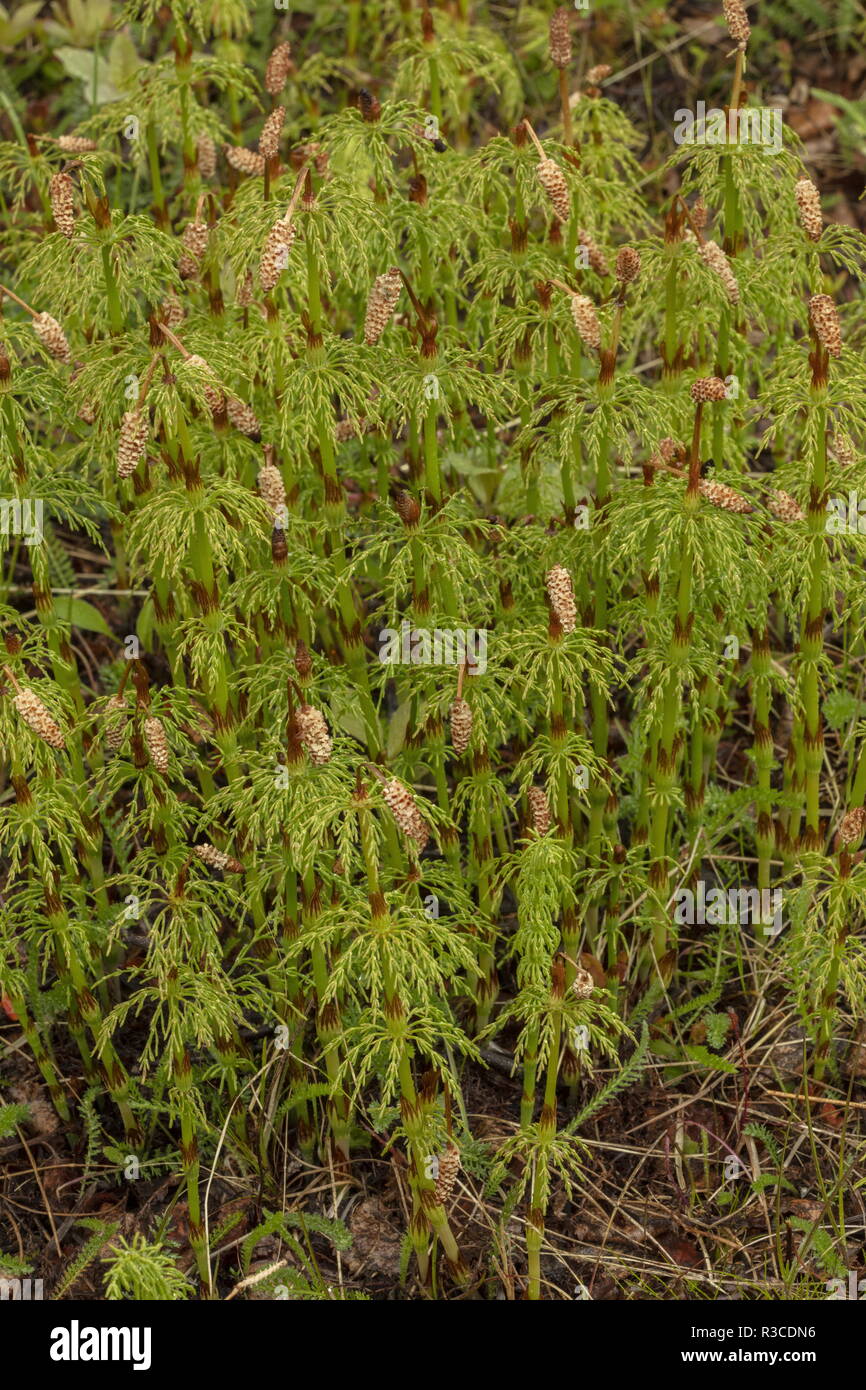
<point>432,607</point>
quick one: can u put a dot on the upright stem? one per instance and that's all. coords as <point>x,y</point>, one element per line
<point>427,1212</point>
<point>763,753</point>
<point>546,1136</point>
<point>812,629</point>
<point>159,205</point>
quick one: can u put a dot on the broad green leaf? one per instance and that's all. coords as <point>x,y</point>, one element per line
<point>145,624</point>
<point>79,63</point>
<point>16,25</point>
<point>343,717</point>
<point>122,59</point>
<point>397,728</point>
<point>81,614</point>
